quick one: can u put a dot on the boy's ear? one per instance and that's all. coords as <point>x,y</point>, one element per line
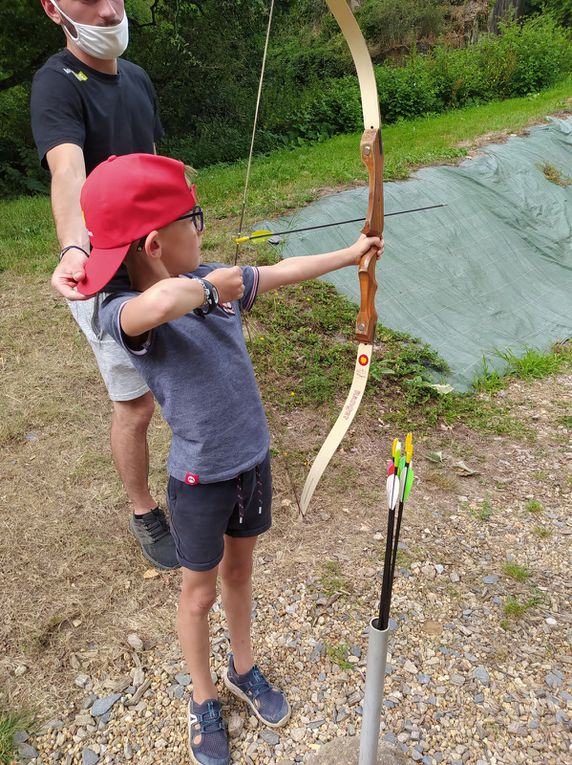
<point>153,245</point>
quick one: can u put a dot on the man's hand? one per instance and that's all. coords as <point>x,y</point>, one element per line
<point>68,273</point>
<point>228,282</point>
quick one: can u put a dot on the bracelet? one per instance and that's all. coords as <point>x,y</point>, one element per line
<point>211,298</point>
<point>73,247</point>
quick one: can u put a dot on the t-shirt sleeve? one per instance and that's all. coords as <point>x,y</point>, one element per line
<point>110,319</point>
<point>250,278</point>
<point>57,112</point>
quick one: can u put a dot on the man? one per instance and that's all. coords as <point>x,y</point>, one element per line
<point>86,105</point>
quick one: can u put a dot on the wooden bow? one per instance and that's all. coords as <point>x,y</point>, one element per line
<point>372,156</point>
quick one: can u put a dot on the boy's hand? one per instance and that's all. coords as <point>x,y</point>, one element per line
<point>228,282</point>
<point>68,274</point>
<point>363,244</point>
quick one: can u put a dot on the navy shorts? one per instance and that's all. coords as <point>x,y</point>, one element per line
<point>202,514</point>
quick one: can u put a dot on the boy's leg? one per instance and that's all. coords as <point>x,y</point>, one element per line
<point>236,579</point>
<point>198,593</point>
<point>243,677</point>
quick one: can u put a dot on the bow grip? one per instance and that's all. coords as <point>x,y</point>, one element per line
<point>367,317</point>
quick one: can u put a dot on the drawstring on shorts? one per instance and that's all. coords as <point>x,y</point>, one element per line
<point>240,494</point>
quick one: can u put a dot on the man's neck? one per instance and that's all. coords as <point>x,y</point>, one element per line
<point>105,66</point>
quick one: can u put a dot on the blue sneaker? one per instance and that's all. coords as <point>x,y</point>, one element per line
<point>268,703</point>
<point>208,742</point>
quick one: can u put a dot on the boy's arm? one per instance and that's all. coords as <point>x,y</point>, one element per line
<point>301,268</point>
<point>172,298</point>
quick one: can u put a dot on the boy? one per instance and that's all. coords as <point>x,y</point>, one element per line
<point>184,333</point>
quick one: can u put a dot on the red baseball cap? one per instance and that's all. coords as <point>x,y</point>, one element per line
<point>124,199</point>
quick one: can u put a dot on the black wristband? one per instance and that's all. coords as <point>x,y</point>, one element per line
<point>73,247</point>
<point>211,298</point>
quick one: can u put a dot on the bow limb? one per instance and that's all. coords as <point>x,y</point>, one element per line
<point>372,156</point>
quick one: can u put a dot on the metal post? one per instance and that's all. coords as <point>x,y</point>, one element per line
<point>373,697</point>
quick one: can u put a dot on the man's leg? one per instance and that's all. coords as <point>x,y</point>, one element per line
<point>132,412</point>
<point>129,426</point>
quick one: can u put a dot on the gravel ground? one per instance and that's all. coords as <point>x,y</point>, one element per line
<point>466,682</point>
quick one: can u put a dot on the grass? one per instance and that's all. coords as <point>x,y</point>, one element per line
<point>516,571</point>
<point>10,723</point>
<point>554,175</point>
<point>338,654</point>
<point>534,506</point>
<point>515,609</point>
<point>542,532</point>
<point>484,511</point>
<point>332,580</point>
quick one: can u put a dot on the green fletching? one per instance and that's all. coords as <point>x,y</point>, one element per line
<point>408,483</point>
<point>400,466</point>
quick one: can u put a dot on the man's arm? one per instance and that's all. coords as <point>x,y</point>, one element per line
<point>67,166</point>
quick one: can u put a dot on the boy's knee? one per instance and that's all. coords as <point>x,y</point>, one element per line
<point>236,573</point>
<point>197,602</point>
<point>134,414</point>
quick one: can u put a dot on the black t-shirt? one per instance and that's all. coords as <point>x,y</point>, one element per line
<point>104,114</point>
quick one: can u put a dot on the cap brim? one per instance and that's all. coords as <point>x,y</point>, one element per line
<point>100,268</point>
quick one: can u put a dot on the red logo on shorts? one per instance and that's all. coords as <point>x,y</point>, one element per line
<point>191,479</point>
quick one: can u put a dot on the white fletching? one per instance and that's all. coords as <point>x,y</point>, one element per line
<point>392,489</point>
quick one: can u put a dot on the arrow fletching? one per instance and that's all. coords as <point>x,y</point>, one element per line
<point>392,490</point>
<point>409,448</point>
<point>400,467</point>
<point>257,236</point>
<point>408,483</point>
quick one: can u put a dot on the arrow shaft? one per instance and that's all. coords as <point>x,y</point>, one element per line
<point>340,223</point>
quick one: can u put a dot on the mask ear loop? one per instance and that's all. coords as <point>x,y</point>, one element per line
<point>65,17</point>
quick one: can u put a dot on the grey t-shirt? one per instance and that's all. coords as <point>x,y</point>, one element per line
<point>200,373</point>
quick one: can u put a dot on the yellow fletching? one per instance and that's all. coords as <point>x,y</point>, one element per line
<point>409,448</point>
<point>256,236</point>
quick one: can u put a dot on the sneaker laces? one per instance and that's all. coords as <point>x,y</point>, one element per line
<point>211,720</point>
<point>155,525</point>
<point>257,683</point>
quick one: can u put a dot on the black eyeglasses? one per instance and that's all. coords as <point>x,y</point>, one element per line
<point>197,216</point>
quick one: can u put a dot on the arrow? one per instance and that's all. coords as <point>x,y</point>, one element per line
<point>263,234</point>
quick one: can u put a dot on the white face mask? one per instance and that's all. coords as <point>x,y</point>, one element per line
<point>100,42</point>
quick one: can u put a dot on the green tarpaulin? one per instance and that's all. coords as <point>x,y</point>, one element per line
<point>490,271</point>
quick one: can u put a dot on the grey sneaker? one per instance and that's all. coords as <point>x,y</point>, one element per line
<point>268,703</point>
<point>153,534</point>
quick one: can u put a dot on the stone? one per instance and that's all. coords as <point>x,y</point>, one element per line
<point>20,670</point>
<point>82,681</point>
<point>89,757</point>
<point>410,667</point>
<point>491,579</point>
<point>457,679</point>
<point>20,737</point>
<point>135,642</point>
<point>270,737</point>
<point>27,752</point>
<point>481,674</point>
<point>101,706</point>
<point>183,678</point>
<point>297,734</point>
<point>235,725</point>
